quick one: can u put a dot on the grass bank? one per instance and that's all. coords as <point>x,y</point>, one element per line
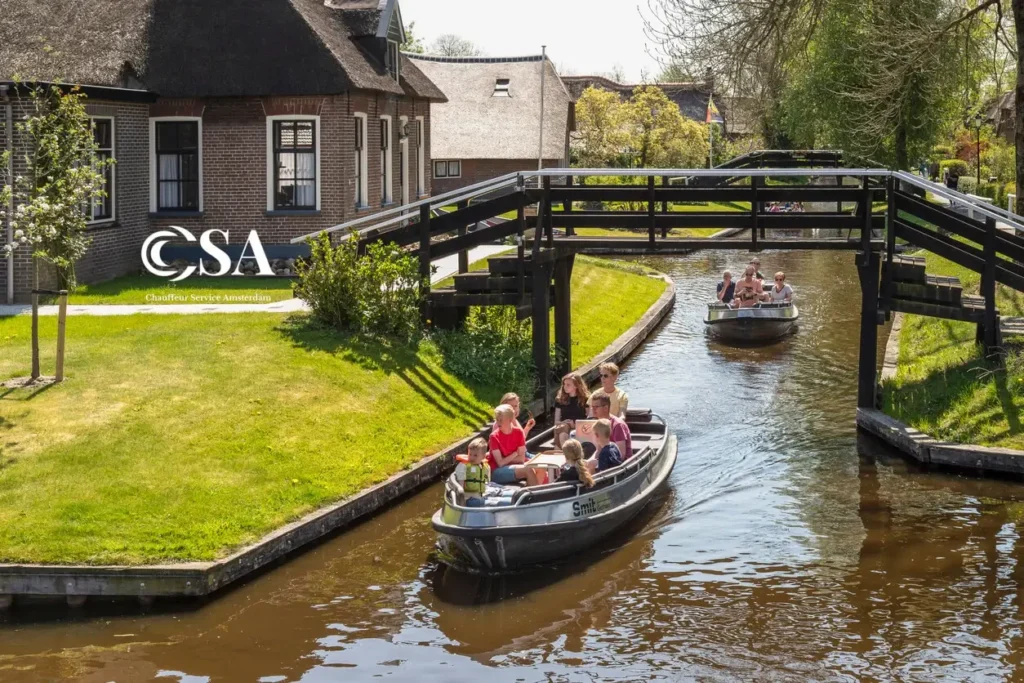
<point>181,438</point>
<point>943,385</point>
<point>150,289</point>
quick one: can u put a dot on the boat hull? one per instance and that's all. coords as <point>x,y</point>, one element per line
<point>751,325</point>
<point>539,534</point>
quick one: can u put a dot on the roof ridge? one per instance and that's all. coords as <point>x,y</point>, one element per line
<point>473,60</point>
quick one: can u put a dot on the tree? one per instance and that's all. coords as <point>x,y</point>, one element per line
<point>659,135</point>
<point>674,73</point>
<point>599,138</point>
<point>451,45</point>
<point>412,43</point>
<point>62,177</point>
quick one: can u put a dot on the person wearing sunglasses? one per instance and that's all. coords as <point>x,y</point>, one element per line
<point>617,398</point>
<point>781,292</point>
<point>755,263</point>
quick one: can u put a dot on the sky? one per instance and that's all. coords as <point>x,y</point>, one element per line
<point>582,36</point>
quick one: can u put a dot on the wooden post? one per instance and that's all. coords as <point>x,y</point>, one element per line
<point>890,244</point>
<point>424,254</point>
<point>35,334</point>
<point>867,269</point>
<point>651,210</point>
<point>754,182</point>
<point>464,254</point>
<point>865,231</point>
<point>563,314</point>
<point>839,183</point>
<point>988,288</point>
<point>521,243</point>
<point>62,313</point>
<point>546,212</point>
<point>664,205</point>
<point>541,328</point>
<point>567,207</point>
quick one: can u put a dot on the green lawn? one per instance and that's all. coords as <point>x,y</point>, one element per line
<point>150,289</point>
<point>944,387</point>
<point>181,438</point>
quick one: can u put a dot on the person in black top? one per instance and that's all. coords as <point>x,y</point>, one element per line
<point>570,405</point>
<point>574,469</point>
<point>726,288</point>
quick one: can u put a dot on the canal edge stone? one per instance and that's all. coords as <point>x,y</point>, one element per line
<point>197,579</point>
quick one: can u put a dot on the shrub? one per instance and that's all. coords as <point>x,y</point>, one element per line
<point>967,184</point>
<point>991,190</point>
<point>493,350</point>
<point>376,293</point>
<point>942,151</point>
<point>956,167</point>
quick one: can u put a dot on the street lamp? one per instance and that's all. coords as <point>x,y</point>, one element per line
<point>976,121</point>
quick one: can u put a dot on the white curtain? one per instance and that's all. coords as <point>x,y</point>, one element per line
<point>169,198</point>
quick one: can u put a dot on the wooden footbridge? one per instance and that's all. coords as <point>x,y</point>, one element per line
<point>551,216</point>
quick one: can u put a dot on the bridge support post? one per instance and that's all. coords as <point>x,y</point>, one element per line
<point>988,289</point>
<point>563,314</point>
<point>652,209</point>
<point>665,183</point>
<point>754,211</point>
<point>546,213</point>
<point>424,254</point>
<point>464,254</point>
<point>867,380</point>
<point>567,207</point>
<point>541,306</point>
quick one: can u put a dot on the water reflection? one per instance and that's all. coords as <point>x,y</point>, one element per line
<point>787,549</point>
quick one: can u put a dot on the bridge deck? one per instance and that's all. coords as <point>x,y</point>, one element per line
<point>677,245</point>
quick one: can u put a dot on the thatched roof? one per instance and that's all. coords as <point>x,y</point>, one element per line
<point>203,48</point>
<point>692,98</point>
<point>475,124</point>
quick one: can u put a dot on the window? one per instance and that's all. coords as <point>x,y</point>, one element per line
<point>295,167</point>
<point>392,60</point>
<point>447,169</point>
<point>360,161</point>
<point>385,160</point>
<point>421,156</point>
<point>177,162</point>
<point>501,88</point>
<point>102,208</point>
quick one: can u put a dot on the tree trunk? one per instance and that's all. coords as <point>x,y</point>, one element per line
<point>902,159</point>
<point>35,319</point>
<point>1018,100</point>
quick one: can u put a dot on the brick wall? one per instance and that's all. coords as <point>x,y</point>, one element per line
<point>235,162</point>
<point>478,170</point>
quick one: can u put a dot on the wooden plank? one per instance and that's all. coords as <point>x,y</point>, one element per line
<point>680,244</point>
<point>946,247</point>
<point>452,298</point>
<point>473,239</point>
<point>484,282</point>
<point>941,217</point>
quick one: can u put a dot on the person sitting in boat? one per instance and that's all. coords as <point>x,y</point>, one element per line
<point>600,406</point>
<point>511,399</point>
<point>726,288</point>
<point>756,263</point>
<point>608,454</point>
<point>507,448</point>
<point>619,399</point>
<point>748,290</point>
<point>781,292</point>
<point>575,467</point>
<point>474,475</point>
<point>570,405</point>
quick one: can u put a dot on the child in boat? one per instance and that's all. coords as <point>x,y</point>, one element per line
<point>570,405</point>
<point>608,455</point>
<point>507,448</point>
<point>474,475</point>
<point>512,399</point>
<point>575,467</point>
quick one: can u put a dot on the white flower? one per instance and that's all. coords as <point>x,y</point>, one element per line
<point>18,234</point>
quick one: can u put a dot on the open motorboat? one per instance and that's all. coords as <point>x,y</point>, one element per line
<point>760,323</point>
<point>532,525</point>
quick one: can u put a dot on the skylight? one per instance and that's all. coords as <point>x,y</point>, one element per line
<point>501,88</point>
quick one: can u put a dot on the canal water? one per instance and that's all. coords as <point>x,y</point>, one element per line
<point>785,549</point>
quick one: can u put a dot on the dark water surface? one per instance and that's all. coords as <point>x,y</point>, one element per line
<point>784,550</point>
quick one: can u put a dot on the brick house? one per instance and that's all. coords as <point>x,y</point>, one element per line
<point>284,116</point>
<point>490,125</point>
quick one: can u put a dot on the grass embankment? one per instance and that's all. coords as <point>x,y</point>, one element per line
<point>153,290</point>
<point>944,387</point>
<point>182,437</point>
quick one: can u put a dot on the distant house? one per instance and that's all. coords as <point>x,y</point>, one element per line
<point>1000,114</point>
<point>284,116</point>
<point>692,99</point>
<point>490,124</point>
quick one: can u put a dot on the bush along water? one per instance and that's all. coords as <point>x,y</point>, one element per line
<point>376,293</point>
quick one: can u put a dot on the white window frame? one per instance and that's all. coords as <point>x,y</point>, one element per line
<point>387,163</point>
<point>112,190</point>
<point>403,153</point>
<point>394,60</point>
<point>152,160</point>
<point>447,165</point>
<point>363,191</point>
<point>270,159</point>
<point>421,156</point>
